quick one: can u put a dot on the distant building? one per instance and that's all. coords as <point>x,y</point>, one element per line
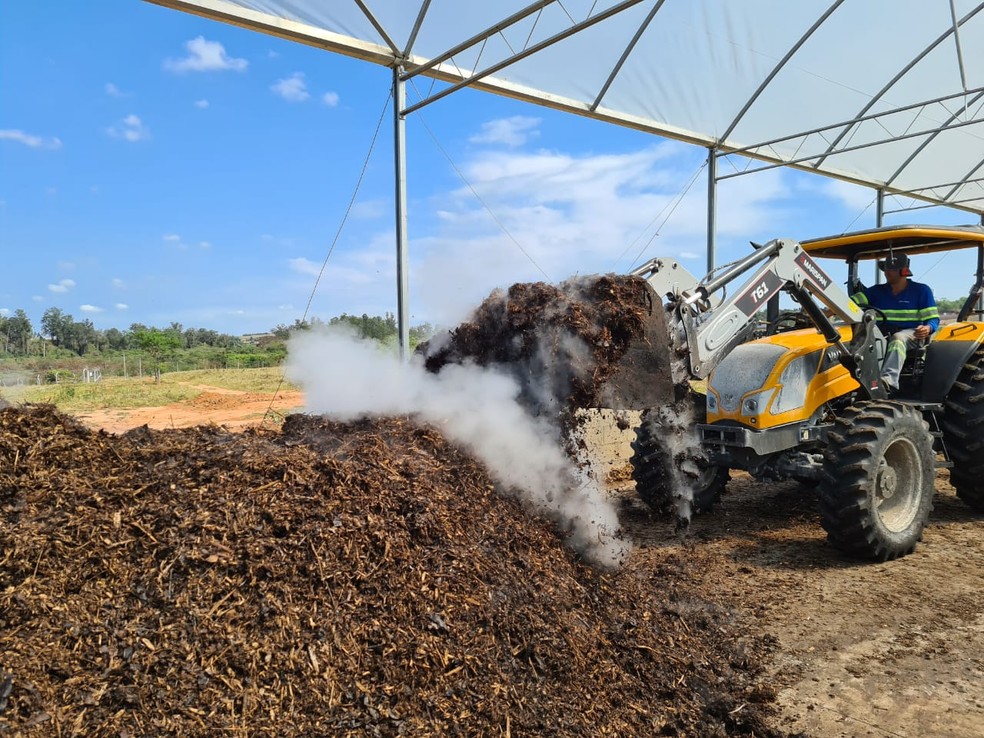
<point>256,339</point>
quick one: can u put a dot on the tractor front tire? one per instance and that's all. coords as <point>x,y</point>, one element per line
<point>878,480</point>
<point>657,473</point>
<point>963,431</point>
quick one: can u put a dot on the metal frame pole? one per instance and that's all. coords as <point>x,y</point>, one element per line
<point>879,222</point>
<point>980,271</point>
<point>399,153</point>
<point>711,209</point>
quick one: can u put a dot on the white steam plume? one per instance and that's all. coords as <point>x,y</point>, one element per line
<point>346,379</point>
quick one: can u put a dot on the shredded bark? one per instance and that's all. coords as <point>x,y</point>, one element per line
<point>564,344</point>
<point>360,579</point>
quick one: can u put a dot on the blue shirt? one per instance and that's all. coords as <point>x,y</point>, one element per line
<point>912,307</point>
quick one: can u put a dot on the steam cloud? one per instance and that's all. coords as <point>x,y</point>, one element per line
<point>348,379</point>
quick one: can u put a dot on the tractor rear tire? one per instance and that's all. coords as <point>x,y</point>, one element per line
<point>878,481</point>
<point>963,431</point>
<point>653,466</point>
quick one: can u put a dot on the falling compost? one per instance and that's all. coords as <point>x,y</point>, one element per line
<point>588,342</point>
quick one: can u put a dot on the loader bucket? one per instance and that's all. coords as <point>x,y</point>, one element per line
<point>642,376</point>
<point>589,342</point>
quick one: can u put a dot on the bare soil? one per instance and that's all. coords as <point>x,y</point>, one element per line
<point>863,649</point>
<point>232,409</point>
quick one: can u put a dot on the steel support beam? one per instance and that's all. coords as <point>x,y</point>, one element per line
<point>711,209</point>
<point>400,161</point>
<point>556,38</point>
<point>879,222</point>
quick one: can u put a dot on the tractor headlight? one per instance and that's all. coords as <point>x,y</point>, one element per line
<point>758,403</point>
<point>712,402</point>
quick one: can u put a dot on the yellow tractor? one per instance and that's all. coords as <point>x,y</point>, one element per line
<point>802,398</point>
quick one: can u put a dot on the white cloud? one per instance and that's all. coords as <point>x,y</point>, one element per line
<point>173,239</point>
<point>565,215</point>
<point>5,312</point>
<point>371,209</point>
<point>571,213</point>
<point>205,56</point>
<point>90,309</point>
<point>131,128</point>
<point>330,99</point>
<point>121,306</point>
<point>853,197</point>
<point>292,89</point>
<point>204,245</point>
<point>277,240</point>
<point>304,266</point>
<point>32,141</point>
<point>113,91</point>
<point>201,104</point>
<point>51,191</point>
<point>63,286</point>
<point>514,131</point>
<point>118,283</point>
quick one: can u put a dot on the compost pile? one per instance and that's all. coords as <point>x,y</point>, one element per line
<point>596,341</point>
<point>329,579</point>
<point>567,344</point>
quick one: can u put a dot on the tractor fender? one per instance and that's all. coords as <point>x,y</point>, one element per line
<point>944,360</point>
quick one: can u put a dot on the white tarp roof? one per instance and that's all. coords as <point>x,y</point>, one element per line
<point>887,93</point>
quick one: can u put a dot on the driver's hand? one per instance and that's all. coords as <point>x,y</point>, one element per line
<point>921,332</point>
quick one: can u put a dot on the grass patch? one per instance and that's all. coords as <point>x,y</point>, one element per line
<point>109,393</point>
<point>136,392</point>
<point>261,379</point>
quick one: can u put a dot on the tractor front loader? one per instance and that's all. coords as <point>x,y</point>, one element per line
<point>806,403</point>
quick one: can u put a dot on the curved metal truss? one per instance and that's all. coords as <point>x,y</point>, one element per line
<point>875,92</point>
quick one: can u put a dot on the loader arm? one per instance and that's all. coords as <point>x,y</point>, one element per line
<point>706,326</point>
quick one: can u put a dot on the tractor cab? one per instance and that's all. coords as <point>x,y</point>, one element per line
<point>879,244</point>
<point>930,369</point>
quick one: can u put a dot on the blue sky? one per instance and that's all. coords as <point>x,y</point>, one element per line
<point>157,167</point>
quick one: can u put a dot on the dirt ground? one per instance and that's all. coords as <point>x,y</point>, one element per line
<point>864,649</point>
<point>233,409</point>
<point>894,649</point>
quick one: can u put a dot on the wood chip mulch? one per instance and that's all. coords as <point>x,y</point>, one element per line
<point>330,579</point>
<point>563,342</point>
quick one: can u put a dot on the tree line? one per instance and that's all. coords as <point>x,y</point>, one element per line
<point>378,328</point>
<point>59,330</point>
<point>60,334</point>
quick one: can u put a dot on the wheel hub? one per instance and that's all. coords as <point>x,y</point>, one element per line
<point>888,482</point>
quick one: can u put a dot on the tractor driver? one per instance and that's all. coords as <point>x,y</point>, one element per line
<point>909,309</point>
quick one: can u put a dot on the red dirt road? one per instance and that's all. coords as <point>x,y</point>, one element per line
<point>232,409</point>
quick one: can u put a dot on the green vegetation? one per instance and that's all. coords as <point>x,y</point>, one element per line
<point>383,329</point>
<point>70,352</point>
<point>110,393</point>
<point>267,379</point>
<point>133,392</point>
<point>949,306</point>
